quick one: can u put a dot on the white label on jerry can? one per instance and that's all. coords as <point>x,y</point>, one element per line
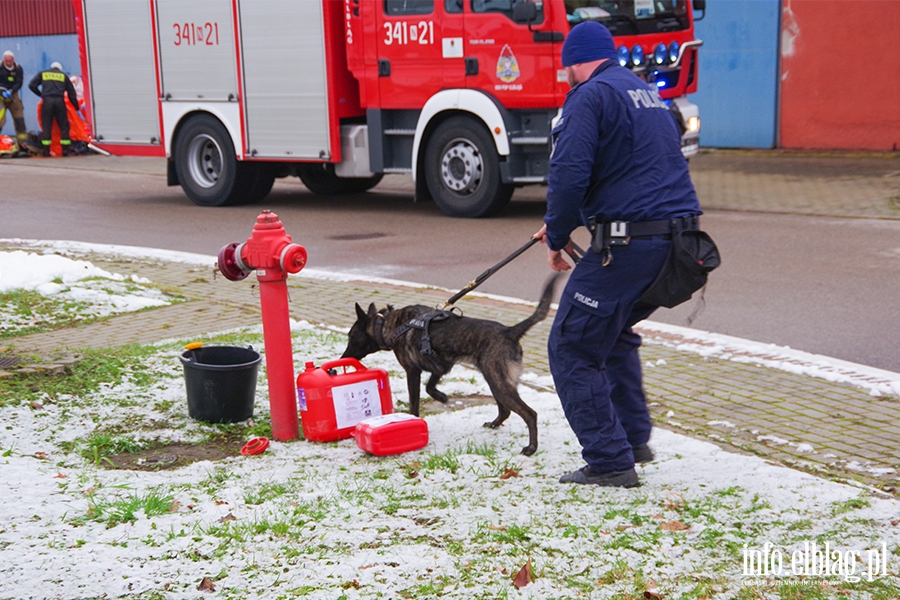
<point>355,402</point>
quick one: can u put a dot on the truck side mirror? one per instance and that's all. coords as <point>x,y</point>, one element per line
<point>526,12</point>
<point>701,6</point>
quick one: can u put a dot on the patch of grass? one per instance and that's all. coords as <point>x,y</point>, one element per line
<point>800,525</point>
<point>484,449</point>
<point>216,480</point>
<point>95,368</point>
<point>433,588</point>
<point>100,444</point>
<point>267,491</point>
<point>115,510</point>
<point>447,461</point>
<point>616,573</point>
<point>838,508</point>
<point>259,426</point>
<point>759,504</point>
<point>27,311</point>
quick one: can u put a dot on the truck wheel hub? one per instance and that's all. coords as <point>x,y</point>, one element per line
<point>461,167</point>
<point>205,160</point>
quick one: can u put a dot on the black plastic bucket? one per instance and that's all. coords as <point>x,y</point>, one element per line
<point>220,382</point>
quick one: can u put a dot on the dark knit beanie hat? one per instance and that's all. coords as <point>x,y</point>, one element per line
<point>587,42</point>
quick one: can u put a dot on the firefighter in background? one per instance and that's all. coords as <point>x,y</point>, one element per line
<point>12,76</point>
<point>53,86</point>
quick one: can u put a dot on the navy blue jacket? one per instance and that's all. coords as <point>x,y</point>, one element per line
<point>11,79</point>
<point>616,143</point>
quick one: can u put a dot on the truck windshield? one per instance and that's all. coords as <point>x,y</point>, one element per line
<point>631,17</point>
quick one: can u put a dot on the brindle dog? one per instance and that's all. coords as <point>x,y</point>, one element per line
<point>491,347</point>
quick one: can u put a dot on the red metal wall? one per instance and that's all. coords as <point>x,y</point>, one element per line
<point>19,18</point>
<point>840,79</point>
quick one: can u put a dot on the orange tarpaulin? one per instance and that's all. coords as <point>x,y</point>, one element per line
<point>77,128</point>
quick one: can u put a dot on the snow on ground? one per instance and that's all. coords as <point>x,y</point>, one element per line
<point>77,289</point>
<point>457,519</point>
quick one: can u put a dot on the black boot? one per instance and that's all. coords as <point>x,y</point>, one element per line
<point>585,476</point>
<point>642,453</point>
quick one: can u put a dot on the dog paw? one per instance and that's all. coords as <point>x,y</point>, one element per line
<point>529,450</point>
<point>442,398</point>
<point>491,425</point>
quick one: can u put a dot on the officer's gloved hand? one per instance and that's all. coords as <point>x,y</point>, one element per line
<point>6,94</point>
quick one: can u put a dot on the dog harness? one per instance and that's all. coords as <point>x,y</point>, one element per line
<point>422,323</point>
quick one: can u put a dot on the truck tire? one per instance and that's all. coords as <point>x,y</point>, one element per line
<point>260,178</point>
<point>462,170</point>
<point>208,169</point>
<point>321,180</point>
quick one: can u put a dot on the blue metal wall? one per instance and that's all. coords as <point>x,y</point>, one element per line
<point>35,53</point>
<point>738,87</point>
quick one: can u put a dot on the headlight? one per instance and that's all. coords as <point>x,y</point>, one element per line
<point>660,53</point>
<point>673,51</point>
<point>623,54</point>
<point>693,124</point>
<point>637,56</point>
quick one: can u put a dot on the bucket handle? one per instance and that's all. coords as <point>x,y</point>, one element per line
<point>344,362</point>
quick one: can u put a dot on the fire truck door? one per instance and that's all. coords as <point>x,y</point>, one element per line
<point>196,50</point>
<point>285,79</point>
<point>420,50</point>
<point>510,62</point>
<point>122,70</point>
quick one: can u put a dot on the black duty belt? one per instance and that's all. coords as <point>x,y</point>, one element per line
<point>618,233</point>
<point>605,234</point>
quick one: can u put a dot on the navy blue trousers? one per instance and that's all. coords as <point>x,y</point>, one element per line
<point>593,352</point>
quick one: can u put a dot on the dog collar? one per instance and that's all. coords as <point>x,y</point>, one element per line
<point>379,332</point>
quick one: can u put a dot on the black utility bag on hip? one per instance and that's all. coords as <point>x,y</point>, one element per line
<point>692,257</point>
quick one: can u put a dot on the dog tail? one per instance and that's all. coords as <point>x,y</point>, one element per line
<point>540,313</point>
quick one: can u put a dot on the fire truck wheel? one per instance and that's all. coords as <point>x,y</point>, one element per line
<point>321,180</point>
<point>462,170</point>
<point>259,179</point>
<point>207,166</point>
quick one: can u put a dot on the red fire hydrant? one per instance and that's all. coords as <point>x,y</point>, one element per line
<point>271,254</point>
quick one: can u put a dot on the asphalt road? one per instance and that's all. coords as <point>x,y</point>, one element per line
<point>820,284</point>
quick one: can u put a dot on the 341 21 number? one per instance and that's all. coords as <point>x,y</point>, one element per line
<point>401,32</point>
<point>191,34</point>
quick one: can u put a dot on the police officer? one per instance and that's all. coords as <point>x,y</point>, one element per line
<point>617,169</point>
<point>12,76</point>
<point>53,85</point>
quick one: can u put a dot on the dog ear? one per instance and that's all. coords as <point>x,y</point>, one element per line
<point>373,310</point>
<point>360,313</point>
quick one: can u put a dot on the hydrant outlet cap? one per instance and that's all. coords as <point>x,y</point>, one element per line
<point>293,258</point>
<point>255,446</point>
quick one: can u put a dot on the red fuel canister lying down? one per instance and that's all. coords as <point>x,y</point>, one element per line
<point>332,403</point>
<point>391,434</point>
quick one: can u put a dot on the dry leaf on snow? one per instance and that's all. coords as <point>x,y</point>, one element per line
<point>673,526</point>
<point>207,585</point>
<point>508,472</point>
<point>523,577</point>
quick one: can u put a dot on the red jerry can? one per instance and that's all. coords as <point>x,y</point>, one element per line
<point>332,403</point>
<point>391,434</point>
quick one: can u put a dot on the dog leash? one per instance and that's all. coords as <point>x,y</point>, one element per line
<point>576,253</point>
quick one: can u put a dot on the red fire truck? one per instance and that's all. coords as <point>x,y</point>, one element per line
<point>461,94</point>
